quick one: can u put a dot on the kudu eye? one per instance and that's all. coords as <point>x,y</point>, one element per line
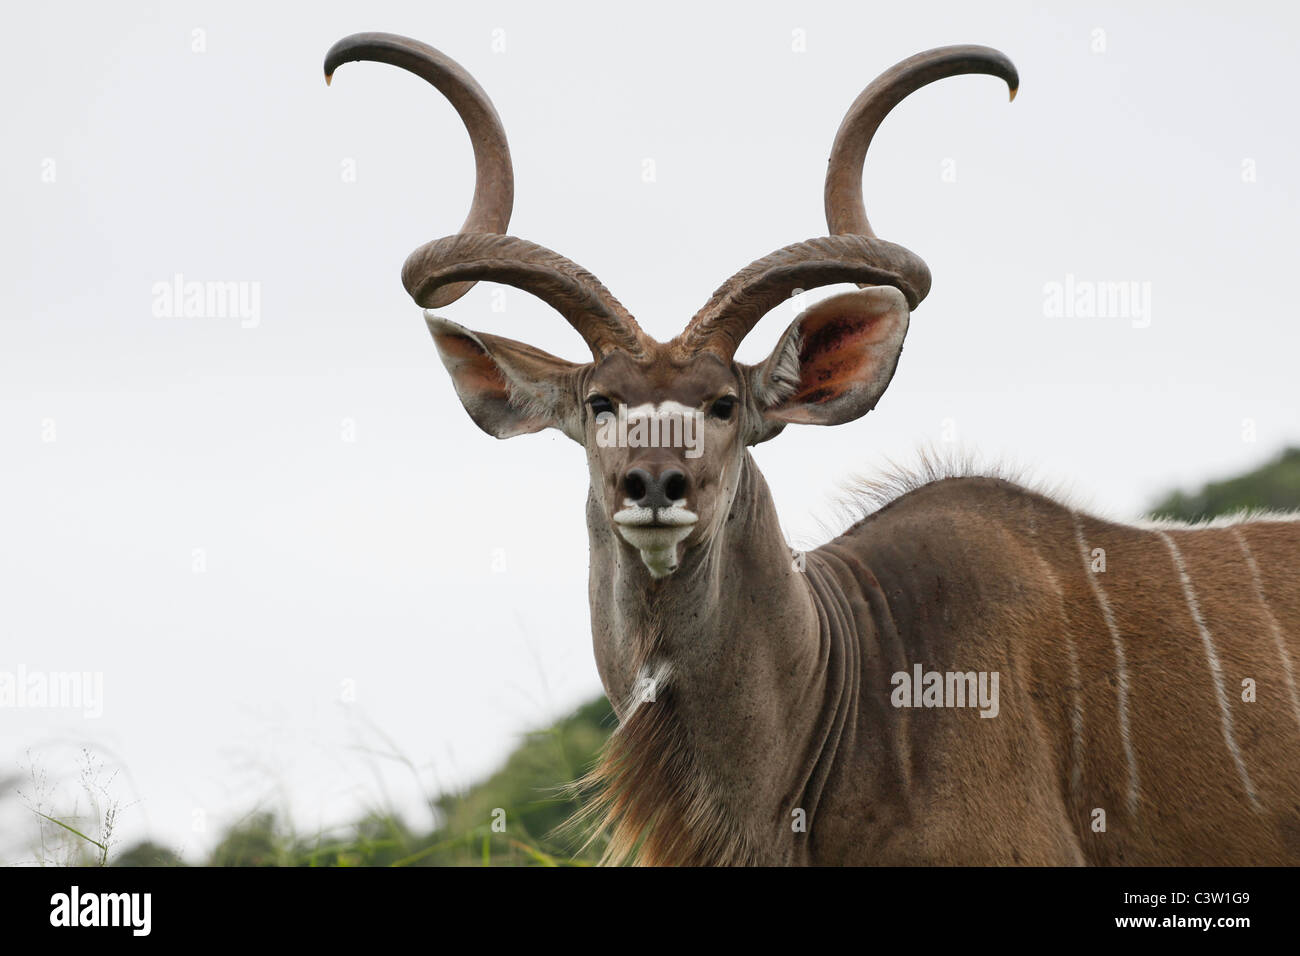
<point>599,405</point>
<point>723,407</point>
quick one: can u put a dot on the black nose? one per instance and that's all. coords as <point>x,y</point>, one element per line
<point>647,491</point>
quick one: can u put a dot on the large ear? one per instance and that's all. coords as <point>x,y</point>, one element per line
<point>834,361</point>
<point>507,387</point>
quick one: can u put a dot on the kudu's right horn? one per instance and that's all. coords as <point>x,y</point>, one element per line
<point>852,253</point>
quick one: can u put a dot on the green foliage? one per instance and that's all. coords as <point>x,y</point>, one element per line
<point>528,795</point>
<point>529,786</point>
<point>256,841</point>
<point>1275,486</point>
<point>148,853</point>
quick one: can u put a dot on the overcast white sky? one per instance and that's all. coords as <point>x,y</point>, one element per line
<point>138,447</point>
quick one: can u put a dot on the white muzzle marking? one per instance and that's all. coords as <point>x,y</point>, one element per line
<point>656,533</point>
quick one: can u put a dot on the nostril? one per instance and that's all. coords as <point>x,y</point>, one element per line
<point>674,483</point>
<point>634,484</point>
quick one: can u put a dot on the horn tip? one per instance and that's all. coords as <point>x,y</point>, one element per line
<point>1014,91</point>
<point>330,76</point>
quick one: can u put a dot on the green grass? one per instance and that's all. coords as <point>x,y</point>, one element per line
<point>509,819</point>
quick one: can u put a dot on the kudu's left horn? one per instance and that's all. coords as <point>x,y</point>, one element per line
<point>440,272</point>
<point>852,253</point>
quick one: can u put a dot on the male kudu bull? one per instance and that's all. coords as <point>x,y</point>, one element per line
<point>757,695</point>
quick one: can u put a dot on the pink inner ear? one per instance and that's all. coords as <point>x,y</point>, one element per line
<point>475,373</point>
<point>835,349</point>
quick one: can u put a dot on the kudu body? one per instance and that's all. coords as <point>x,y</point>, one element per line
<point>764,702</point>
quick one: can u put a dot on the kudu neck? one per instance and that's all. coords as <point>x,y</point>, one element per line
<point>728,646</point>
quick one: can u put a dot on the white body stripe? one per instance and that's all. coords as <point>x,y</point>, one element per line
<point>1288,671</point>
<point>1121,667</point>
<point>1211,655</point>
<point>1076,722</point>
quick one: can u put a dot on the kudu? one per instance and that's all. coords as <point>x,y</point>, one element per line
<point>1148,711</point>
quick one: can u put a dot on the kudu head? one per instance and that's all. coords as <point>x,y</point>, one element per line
<point>666,425</point>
